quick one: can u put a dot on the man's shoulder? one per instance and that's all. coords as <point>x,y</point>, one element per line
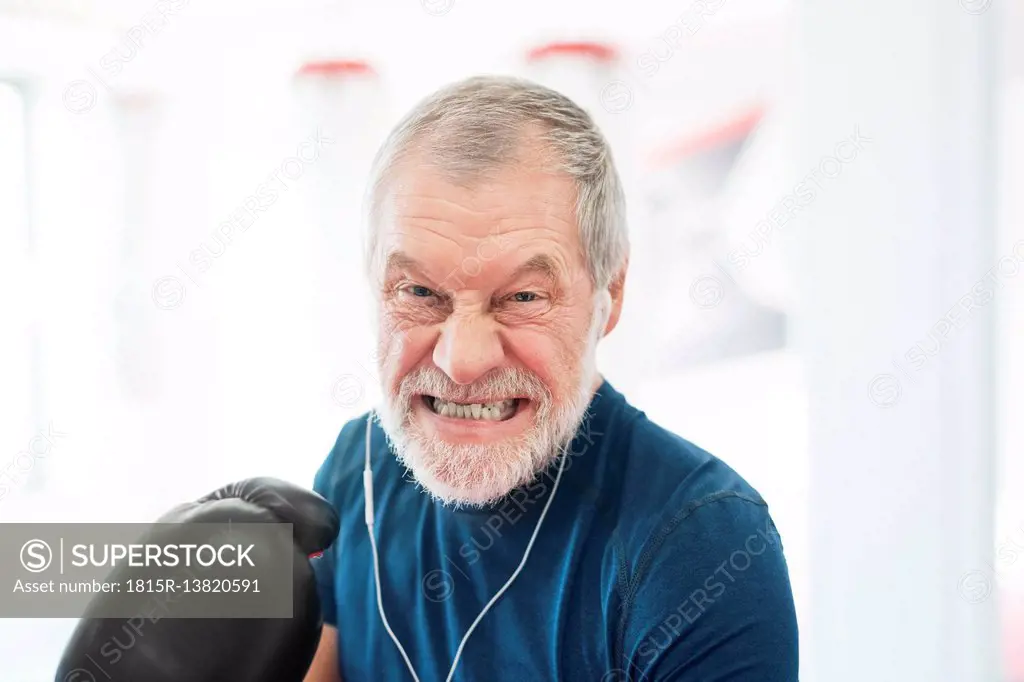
<point>343,465</point>
<point>665,480</point>
<point>699,553</point>
<point>663,470</point>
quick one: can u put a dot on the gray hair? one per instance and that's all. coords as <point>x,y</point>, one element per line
<point>480,124</point>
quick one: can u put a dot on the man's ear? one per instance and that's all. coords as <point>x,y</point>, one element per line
<point>616,289</point>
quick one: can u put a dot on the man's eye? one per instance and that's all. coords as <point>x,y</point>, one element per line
<point>524,297</point>
<point>419,292</point>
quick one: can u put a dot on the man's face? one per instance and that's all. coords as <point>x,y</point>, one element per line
<point>487,328</point>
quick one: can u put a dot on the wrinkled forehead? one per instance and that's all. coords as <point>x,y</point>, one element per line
<point>500,217</point>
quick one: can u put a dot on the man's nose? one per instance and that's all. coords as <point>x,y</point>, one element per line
<point>468,348</point>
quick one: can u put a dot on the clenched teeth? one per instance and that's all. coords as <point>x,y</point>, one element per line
<point>478,411</point>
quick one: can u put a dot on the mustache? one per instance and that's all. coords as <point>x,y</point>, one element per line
<point>498,383</point>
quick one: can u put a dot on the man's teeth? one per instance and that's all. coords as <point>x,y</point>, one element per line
<point>481,411</point>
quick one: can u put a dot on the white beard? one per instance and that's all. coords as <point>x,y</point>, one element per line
<point>476,475</point>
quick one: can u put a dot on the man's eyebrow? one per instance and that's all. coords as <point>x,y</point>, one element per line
<point>541,263</point>
<point>399,260</point>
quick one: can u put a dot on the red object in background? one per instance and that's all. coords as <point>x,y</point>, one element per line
<point>1012,608</point>
<point>598,51</point>
<point>336,67</point>
<point>730,130</point>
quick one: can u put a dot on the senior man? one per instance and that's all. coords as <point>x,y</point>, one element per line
<point>530,524</point>
<point>506,514</point>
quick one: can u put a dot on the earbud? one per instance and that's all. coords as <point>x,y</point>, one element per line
<point>368,477</point>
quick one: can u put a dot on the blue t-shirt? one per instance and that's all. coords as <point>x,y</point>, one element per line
<point>655,562</point>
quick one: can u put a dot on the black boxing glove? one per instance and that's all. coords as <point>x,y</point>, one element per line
<point>218,650</point>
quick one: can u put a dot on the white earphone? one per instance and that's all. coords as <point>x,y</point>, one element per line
<point>368,508</point>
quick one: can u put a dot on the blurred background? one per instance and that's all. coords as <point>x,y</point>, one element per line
<point>825,291</point>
